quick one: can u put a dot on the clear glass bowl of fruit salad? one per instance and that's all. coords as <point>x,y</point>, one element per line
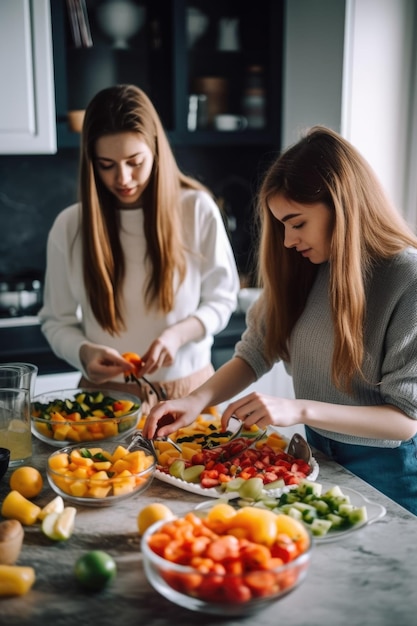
<point>100,474</point>
<point>228,562</point>
<point>64,417</point>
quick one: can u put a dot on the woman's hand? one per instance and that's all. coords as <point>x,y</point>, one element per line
<point>162,351</point>
<point>101,363</point>
<point>262,410</point>
<point>173,414</point>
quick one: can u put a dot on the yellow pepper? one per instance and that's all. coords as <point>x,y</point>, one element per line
<point>16,580</point>
<point>16,506</point>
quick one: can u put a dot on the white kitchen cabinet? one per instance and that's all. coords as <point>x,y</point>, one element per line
<point>351,65</point>
<point>27,101</point>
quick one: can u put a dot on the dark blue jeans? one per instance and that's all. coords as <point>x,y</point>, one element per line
<point>390,470</point>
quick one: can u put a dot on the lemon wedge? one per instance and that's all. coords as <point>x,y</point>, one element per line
<point>59,526</point>
<point>54,506</point>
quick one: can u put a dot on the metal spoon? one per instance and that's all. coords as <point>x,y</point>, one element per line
<point>299,448</point>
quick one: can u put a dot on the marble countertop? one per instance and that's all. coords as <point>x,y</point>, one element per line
<point>368,578</point>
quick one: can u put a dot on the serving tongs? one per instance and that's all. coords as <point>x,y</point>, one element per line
<point>132,378</point>
<point>138,439</point>
<point>246,441</point>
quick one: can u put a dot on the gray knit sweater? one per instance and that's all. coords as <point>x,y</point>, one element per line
<point>390,343</point>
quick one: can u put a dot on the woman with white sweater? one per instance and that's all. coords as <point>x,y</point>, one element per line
<point>142,263</point>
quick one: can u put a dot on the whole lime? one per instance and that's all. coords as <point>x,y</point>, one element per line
<point>95,569</point>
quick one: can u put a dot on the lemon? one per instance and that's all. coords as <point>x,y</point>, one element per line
<point>27,481</point>
<point>152,513</point>
<point>54,506</point>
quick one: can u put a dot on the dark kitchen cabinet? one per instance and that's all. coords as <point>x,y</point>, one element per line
<point>225,55</point>
<point>179,46</point>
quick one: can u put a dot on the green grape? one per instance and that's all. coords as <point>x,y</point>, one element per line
<point>251,488</point>
<point>176,468</point>
<point>192,474</point>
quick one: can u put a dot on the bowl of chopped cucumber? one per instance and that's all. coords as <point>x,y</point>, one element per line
<point>328,511</point>
<point>68,416</point>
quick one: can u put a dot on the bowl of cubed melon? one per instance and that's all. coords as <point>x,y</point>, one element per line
<point>226,562</point>
<point>102,474</point>
<point>64,417</point>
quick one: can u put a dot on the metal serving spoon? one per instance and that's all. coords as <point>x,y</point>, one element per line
<point>299,448</point>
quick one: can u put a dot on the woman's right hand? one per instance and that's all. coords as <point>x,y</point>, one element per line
<point>101,363</point>
<point>172,415</point>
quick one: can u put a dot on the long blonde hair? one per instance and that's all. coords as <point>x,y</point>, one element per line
<point>126,108</point>
<point>324,167</point>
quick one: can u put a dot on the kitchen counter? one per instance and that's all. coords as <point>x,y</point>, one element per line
<point>366,579</point>
<point>21,339</point>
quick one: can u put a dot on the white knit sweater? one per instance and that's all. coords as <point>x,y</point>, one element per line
<point>209,291</point>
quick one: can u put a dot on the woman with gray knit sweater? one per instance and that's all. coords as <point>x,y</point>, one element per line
<point>338,266</point>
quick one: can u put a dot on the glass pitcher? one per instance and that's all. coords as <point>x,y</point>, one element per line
<point>17,387</point>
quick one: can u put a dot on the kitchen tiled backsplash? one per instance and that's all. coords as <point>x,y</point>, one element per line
<point>33,190</point>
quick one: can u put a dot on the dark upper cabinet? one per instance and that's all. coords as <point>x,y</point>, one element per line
<point>226,57</point>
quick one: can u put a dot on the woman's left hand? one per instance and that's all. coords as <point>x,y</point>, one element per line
<point>262,410</point>
<point>161,352</point>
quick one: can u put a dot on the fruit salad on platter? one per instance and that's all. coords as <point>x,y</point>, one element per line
<point>213,463</point>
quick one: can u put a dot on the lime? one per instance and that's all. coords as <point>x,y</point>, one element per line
<point>95,569</point>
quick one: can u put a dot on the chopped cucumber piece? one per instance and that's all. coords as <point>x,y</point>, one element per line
<point>320,527</point>
<point>333,492</point>
<point>358,515</point>
<point>336,520</point>
<point>295,513</point>
<point>307,487</point>
<point>321,506</point>
<point>345,509</point>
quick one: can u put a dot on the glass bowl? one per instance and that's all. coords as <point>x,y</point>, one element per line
<point>100,475</point>
<point>68,416</point>
<point>234,586</point>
